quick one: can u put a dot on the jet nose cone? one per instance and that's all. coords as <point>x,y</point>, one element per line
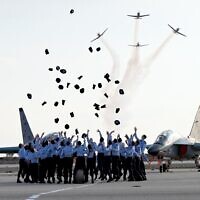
<point>154,149</point>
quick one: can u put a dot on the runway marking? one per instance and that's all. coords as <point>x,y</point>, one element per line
<point>35,196</point>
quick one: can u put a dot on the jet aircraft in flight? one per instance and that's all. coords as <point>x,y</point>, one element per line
<point>138,16</point>
<point>99,35</point>
<point>177,30</point>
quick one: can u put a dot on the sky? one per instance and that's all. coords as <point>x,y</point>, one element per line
<point>161,81</point>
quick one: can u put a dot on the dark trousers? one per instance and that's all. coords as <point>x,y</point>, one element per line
<point>34,172</point>
<point>67,165</point>
<point>60,167</point>
<point>136,169</point>
<point>100,162</point>
<point>107,167</point>
<point>42,169</point>
<point>22,168</point>
<point>91,162</point>
<point>115,166</point>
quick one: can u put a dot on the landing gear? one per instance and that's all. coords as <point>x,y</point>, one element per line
<point>197,162</point>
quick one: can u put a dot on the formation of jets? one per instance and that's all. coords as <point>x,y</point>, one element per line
<point>139,16</point>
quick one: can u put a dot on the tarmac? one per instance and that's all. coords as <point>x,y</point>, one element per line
<point>176,184</point>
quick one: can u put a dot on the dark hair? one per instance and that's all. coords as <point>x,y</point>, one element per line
<point>144,136</point>
<point>109,142</point>
<point>101,139</point>
<point>79,143</point>
<point>115,140</point>
<point>119,140</point>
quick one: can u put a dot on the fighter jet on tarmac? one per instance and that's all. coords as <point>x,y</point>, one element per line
<point>138,16</point>
<point>26,133</point>
<point>177,30</point>
<point>99,35</point>
<point>170,145</point>
<point>137,45</point>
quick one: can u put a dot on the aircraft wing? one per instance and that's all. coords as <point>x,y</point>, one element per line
<point>104,31</point>
<point>8,150</point>
<point>132,15</point>
<point>142,45</point>
<point>144,15</point>
<point>132,45</point>
<point>182,34</point>
<point>171,27</point>
<point>94,39</point>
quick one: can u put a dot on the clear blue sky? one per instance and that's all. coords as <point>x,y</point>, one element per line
<point>167,97</point>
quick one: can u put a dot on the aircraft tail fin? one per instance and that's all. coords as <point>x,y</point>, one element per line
<point>195,131</point>
<point>26,130</point>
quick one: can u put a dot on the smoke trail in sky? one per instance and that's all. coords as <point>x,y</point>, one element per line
<point>131,70</point>
<point>146,65</point>
<point>114,74</point>
<point>134,76</point>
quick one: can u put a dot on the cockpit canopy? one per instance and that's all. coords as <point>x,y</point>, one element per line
<point>166,137</point>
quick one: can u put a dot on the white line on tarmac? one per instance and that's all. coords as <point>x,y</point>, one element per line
<point>35,196</point>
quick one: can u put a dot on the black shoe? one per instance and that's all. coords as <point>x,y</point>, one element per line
<point>42,181</point>
<point>53,180</point>
<point>65,182</point>
<point>109,180</point>
<point>49,181</point>
<point>18,181</point>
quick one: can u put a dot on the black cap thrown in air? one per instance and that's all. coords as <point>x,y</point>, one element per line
<point>56,120</point>
<point>117,82</point>
<point>82,90</point>
<point>103,106</point>
<point>68,85</point>
<point>71,114</point>
<point>29,95</point>
<point>98,49</point>
<point>63,102</point>
<point>46,51</point>
<point>66,126</point>
<point>99,85</point>
<point>117,110</point>
<point>61,87</point>
<point>121,91</point>
<point>71,11</point>
<point>96,106</point>
<point>63,71</point>
<point>77,86</point>
<point>51,69</point>
<point>107,77</point>
<point>117,122</point>
<point>93,86</point>
<point>58,80</point>
<point>106,95</point>
<point>44,103</point>
<point>80,77</point>
<point>56,103</point>
<point>90,49</point>
<point>57,67</point>
<point>96,114</point>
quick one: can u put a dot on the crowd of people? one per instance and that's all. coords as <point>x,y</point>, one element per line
<point>58,158</point>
